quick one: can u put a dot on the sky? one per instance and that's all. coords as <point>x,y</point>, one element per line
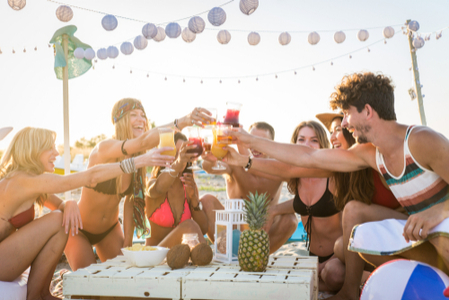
<point>30,94</point>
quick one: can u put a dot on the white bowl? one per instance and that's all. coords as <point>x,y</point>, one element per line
<point>147,258</point>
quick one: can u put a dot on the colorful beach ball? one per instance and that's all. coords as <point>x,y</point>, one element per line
<point>405,280</point>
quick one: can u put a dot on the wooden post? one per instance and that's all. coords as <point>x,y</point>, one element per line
<point>416,77</point>
<point>65,92</point>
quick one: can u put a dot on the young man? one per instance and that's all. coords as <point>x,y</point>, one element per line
<point>239,183</point>
<point>413,160</point>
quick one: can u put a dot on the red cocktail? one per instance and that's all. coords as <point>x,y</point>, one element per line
<point>198,143</point>
<point>232,117</point>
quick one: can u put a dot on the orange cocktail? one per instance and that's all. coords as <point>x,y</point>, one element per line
<point>220,141</point>
<point>167,139</point>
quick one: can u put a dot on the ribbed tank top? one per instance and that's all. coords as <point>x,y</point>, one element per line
<point>417,188</point>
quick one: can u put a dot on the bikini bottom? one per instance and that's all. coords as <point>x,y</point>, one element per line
<point>321,259</point>
<point>96,238</point>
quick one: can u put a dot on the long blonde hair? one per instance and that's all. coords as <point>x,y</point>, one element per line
<point>123,131</point>
<point>24,151</point>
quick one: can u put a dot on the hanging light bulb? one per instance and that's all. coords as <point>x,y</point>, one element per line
<point>369,50</point>
<point>130,71</point>
<point>24,50</point>
<point>313,68</point>
<point>148,75</point>
<point>165,78</point>
<point>295,73</point>
<point>201,81</point>
<point>220,80</point>
<point>35,48</point>
<point>239,81</point>
<point>350,56</point>
<point>1,51</point>
<point>257,79</point>
<point>183,80</point>
<point>93,67</point>
<point>332,63</point>
<point>385,41</point>
<point>113,67</point>
<point>276,76</point>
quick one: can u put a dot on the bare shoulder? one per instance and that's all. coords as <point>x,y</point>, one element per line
<point>427,145</point>
<point>98,154</point>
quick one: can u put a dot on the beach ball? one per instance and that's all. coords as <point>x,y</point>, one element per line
<point>17,4</point>
<point>285,38</point>
<point>216,16</point>
<point>188,36</point>
<point>173,30</point>
<point>362,35</point>
<point>313,38</point>
<point>388,32</point>
<point>403,279</point>
<point>253,38</point>
<point>223,37</point>
<point>196,24</point>
<point>112,52</point>
<point>149,30</point>
<point>102,53</point>
<point>109,22</point>
<point>160,36</point>
<point>339,37</point>
<point>248,6</point>
<point>79,53</point>
<point>413,25</point>
<point>64,13</point>
<point>127,48</point>
<point>89,54</point>
<point>140,42</point>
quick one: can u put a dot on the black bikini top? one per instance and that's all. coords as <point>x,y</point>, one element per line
<point>109,187</point>
<point>325,207</point>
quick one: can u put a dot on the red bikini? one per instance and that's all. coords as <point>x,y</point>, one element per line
<point>163,215</point>
<point>23,218</point>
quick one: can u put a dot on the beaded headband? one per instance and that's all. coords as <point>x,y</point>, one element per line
<point>126,108</point>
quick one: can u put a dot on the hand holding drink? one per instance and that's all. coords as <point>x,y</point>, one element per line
<point>232,114</point>
<point>220,140</point>
<point>195,139</point>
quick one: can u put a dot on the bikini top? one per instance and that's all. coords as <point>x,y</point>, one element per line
<point>163,215</point>
<point>325,207</point>
<point>109,187</point>
<point>23,218</point>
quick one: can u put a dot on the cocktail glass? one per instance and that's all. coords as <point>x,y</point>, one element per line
<point>213,111</point>
<point>220,140</point>
<point>207,135</point>
<point>195,138</point>
<point>232,114</point>
<point>167,139</point>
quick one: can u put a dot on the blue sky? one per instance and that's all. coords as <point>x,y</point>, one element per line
<point>30,94</point>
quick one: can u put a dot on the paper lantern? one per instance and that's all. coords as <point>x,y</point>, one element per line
<point>216,16</point>
<point>17,4</point>
<point>418,42</point>
<point>173,30</point>
<point>223,37</point>
<point>339,37</point>
<point>405,279</point>
<point>102,53</point>
<point>196,24</point>
<point>79,53</point>
<point>253,38</point>
<point>109,22</point>
<point>64,13</point>
<point>413,26</point>
<point>112,52</point>
<point>362,35</point>
<point>126,48</point>
<point>89,54</point>
<point>140,42</point>
<point>149,30</point>
<point>285,38</point>
<point>248,6</point>
<point>388,32</point>
<point>313,38</point>
<point>188,36</point>
<point>160,36</point>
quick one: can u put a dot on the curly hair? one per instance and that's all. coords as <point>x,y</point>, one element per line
<point>359,89</point>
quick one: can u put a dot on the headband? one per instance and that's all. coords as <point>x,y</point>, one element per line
<point>120,113</point>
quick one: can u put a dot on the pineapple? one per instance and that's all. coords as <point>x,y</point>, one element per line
<point>254,246</point>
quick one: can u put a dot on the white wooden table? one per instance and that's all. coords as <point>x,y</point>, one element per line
<point>287,277</point>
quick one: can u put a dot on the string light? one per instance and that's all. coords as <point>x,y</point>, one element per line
<point>24,50</point>
<point>148,75</point>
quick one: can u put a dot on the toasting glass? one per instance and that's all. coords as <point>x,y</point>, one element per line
<point>220,140</point>
<point>167,139</point>
<point>195,138</point>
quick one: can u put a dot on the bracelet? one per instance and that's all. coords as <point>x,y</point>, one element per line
<point>249,164</point>
<point>123,149</point>
<point>172,176</point>
<point>175,122</point>
<point>128,166</point>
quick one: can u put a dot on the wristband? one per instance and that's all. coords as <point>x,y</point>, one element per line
<point>249,164</point>
<point>123,149</point>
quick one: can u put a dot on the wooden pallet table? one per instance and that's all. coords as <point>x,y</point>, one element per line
<point>286,278</point>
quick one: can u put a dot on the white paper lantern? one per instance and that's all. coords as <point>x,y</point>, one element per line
<point>64,13</point>
<point>196,24</point>
<point>102,53</point>
<point>339,37</point>
<point>127,48</point>
<point>285,38</point>
<point>140,42</point>
<point>253,38</point>
<point>388,32</point>
<point>112,52</point>
<point>17,4</point>
<point>418,42</point>
<point>362,35</point>
<point>109,22</point>
<point>216,16</point>
<point>223,37</point>
<point>173,30</point>
<point>79,53</point>
<point>160,36</point>
<point>413,25</point>
<point>248,6</point>
<point>89,54</point>
<point>149,30</point>
<point>188,36</point>
<point>313,38</point>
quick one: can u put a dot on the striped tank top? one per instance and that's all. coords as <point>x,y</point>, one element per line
<point>417,188</point>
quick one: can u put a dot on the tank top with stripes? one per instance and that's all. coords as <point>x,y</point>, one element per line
<point>417,188</point>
